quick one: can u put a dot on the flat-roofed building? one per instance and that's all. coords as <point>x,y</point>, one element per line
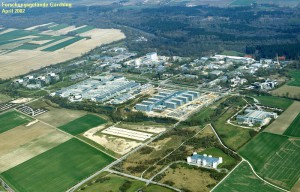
<point>256,117</point>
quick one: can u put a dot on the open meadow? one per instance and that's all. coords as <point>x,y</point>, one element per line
<point>57,169</point>
<point>275,158</point>
<point>30,47</point>
<point>108,182</point>
<point>243,179</point>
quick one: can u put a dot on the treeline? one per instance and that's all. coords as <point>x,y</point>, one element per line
<point>115,114</point>
<point>290,51</point>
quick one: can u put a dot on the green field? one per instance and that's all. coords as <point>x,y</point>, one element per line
<point>11,120</point>
<point>294,128</point>
<point>275,157</point>
<point>243,179</point>
<point>16,34</point>
<point>57,169</point>
<point>4,98</point>
<point>83,29</point>
<point>58,27</point>
<point>63,44</point>
<point>295,78</point>
<point>82,124</point>
<point>273,101</point>
<point>215,152</point>
<point>232,136</point>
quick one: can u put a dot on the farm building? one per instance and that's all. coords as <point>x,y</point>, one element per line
<point>204,160</point>
<point>254,117</point>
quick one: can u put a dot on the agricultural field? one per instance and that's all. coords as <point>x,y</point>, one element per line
<point>63,44</point>
<point>56,116</point>
<point>30,47</point>
<point>27,141</point>
<point>281,124</point>
<point>295,78</point>
<point>82,124</point>
<point>294,128</point>
<point>57,169</point>
<point>275,158</point>
<point>82,29</point>
<point>243,179</point>
<point>287,91</point>
<point>273,101</point>
<point>11,120</point>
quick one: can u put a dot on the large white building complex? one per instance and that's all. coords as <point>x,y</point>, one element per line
<point>256,117</point>
<point>204,160</point>
<point>102,88</point>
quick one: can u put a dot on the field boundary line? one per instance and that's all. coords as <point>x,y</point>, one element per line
<point>227,175</point>
<point>243,159</point>
<point>72,136</point>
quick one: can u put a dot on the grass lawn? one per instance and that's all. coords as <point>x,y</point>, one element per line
<point>296,78</point>
<point>243,179</point>
<point>57,169</point>
<point>215,152</point>
<point>294,128</point>
<point>273,101</point>
<point>275,157</point>
<point>82,124</point>
<point>11,120</point>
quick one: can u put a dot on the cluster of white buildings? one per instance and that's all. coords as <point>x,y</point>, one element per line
<point>204,160</point>
<point>101,89</point>
<point>37,82</point>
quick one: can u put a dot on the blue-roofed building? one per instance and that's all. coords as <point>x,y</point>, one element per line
<point>204,160</point>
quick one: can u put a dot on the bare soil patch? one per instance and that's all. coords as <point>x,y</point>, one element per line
<point>287,91</point>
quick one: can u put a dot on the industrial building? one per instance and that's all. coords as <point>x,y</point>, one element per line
<point>204,160</point>
<point>164,100</point>
<point>256,117</point>
<point>101,89</point>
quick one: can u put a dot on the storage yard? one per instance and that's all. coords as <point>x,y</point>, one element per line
<point>135,135</point>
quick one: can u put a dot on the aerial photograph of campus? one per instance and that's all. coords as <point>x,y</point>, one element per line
<point>150,96</point>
